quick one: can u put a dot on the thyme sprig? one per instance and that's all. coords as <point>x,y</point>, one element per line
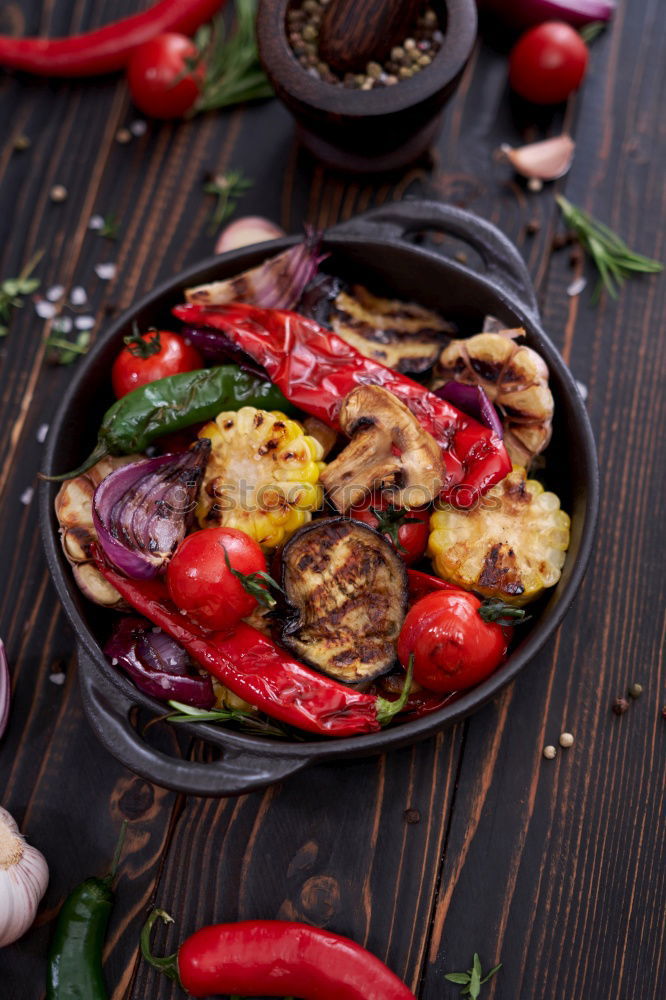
<point>473,979</point>
<point>227,188</point>
<point>232,71</point>
<point>13,290</point>
<point>66,352</point>
<point>248,721</point>
<point>110,226</point>
<point>613,259</point>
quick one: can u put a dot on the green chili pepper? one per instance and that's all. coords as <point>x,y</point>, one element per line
<point>75,955</point>
<point>175,402</point>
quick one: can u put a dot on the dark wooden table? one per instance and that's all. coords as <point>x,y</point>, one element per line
<point>470,841</point>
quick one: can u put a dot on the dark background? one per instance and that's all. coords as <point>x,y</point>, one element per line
<point>553,867</point>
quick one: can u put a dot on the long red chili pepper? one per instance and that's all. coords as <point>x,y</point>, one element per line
<point>108,48</point>
<point>420,584</point>
<point>258,670</point>
<point>316,369</point>
<point>275,958</point>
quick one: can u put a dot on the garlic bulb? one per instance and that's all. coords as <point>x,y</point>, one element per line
<point>24,876</point>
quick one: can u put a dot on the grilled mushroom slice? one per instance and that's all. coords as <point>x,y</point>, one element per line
<point>389,452</point>
<point>346,589</point>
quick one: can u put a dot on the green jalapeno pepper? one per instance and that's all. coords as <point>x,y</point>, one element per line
<point>173,403</point>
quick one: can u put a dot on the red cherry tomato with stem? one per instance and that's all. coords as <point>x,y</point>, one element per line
<point>147,357</point>
<point>453,646</point>
<point>160,76</point>
<point>216,575</point>
<point>406,529</point>
<point>548,63</point>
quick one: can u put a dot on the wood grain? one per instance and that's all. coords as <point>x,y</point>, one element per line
<point>556,868</point>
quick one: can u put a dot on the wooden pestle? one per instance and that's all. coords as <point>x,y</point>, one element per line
<point>355,32</point>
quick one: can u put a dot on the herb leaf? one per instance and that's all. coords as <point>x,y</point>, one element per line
<point>227,188</point>
<point>473,979</point>
<point>65,352</point>
<point>613,259</point>
<point>232,71</point>
<point>12,291</point>
<point>460,978</point>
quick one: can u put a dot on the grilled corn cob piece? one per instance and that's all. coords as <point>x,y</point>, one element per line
<point>515,379</point>
<point>511,546</point>
<point>262,476</point>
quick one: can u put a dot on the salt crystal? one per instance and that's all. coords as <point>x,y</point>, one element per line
<point>44,309</point>
<point>27,495</point>
<point>96,222</point>
<point>84,322</point>
<point>576,286</point>
<point>55,292</point>
<point>42,431</point>
<point>57,678</point>
<point>582,388</point>
<point>138,127</point>
<point>62,324</point>
<point>114,662</point>
<point>105,271</point>
<point>78,296</point>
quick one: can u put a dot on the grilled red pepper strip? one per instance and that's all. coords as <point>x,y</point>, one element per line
<point>421,584</point>
<point>108,48</point>
<point>274,958</point>
<point>316,369</point>
<point>258,670</point>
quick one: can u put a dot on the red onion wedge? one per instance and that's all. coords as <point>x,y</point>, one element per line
<point>524,13</point>
<point>276,284</point>
<point>5,689</point>
<point>141,511</point>
<point>472,400</point>
<point>157,664</point>
<point>217,347</point>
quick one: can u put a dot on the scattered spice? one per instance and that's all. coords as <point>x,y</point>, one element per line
<point>635,690</point>
<point>42,431</point>
<point>611,256</point>
<point>473,979</point>
<point>533,227</point>
<point>65,352</point>
<point>84,322</point>
<point>415,54</point>
<point>21,142</point>
<point>411,816</point>
<point>45,309</point>
<point>663,712</point>
<point>549,752</point>
<point>58,678</point>
<point>27,495</point>
<point>78,296</point>
<point>620,706</point>
<point>535,184</point>
<point>13,290</point>
<point>227,188</point>
<point>58,193</point>
<point>460,256</point>
<point>105,271</point>
<point>96,222</point>
<point>566,740</point>
<point>576,286</point>
<point>575,258</point>
<point>123,136</point>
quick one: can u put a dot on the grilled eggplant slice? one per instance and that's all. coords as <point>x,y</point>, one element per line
<point>346,589</point>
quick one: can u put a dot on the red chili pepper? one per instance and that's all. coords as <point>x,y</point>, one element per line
<point>275,958</point>
<point>421,584</point>
<point>108,48</point>
<point>258,670</point>
<point>316,369</point>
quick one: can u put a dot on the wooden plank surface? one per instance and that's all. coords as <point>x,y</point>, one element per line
<point>554,868</point>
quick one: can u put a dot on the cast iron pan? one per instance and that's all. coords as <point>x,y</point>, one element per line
<point>378,248</point>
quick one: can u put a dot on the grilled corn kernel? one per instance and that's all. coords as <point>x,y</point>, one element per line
<point>512,545</point>
<point>262,477</point>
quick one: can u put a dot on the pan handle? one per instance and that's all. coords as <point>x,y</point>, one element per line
<point>239,771</point>
<point>501,259</point>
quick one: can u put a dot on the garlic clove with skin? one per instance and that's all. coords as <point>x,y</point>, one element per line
<point>544,161</point>
<point>24,876</point>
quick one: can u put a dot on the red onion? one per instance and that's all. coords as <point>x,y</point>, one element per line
<point>5,689</point>
<point>216,346</point>
<point>141,511</point>
<point>472,400</point>
<point>157,664</point>
<point>523,13</point>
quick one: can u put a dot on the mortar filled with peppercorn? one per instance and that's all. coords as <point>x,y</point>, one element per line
<point>366,80</point>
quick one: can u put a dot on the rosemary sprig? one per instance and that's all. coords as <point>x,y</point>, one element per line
<point>110,226</point>
<point>246,720</point>
<point>227,188</point>
<point>473,979</point>
<point>12,291</point>
<point>613,259</point>
<point>232,71</point>
<point>65,352</point>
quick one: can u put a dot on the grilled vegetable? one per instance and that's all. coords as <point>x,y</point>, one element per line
<point>389,451</point>
<point>346,589</point>
<point>512,545</point>
<point>142,511</point>
<point>275,284</point>
<point>262,477</point>
<point>515,379</point>
<point>73,508</point>
<point>401,335</point>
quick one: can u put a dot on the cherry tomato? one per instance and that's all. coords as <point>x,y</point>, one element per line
<point>159,78</point>
<point>406,530</point>
<point>453,647</point>
<point>147,357</point>
<point>200,582</point>
<point>548,63</point>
